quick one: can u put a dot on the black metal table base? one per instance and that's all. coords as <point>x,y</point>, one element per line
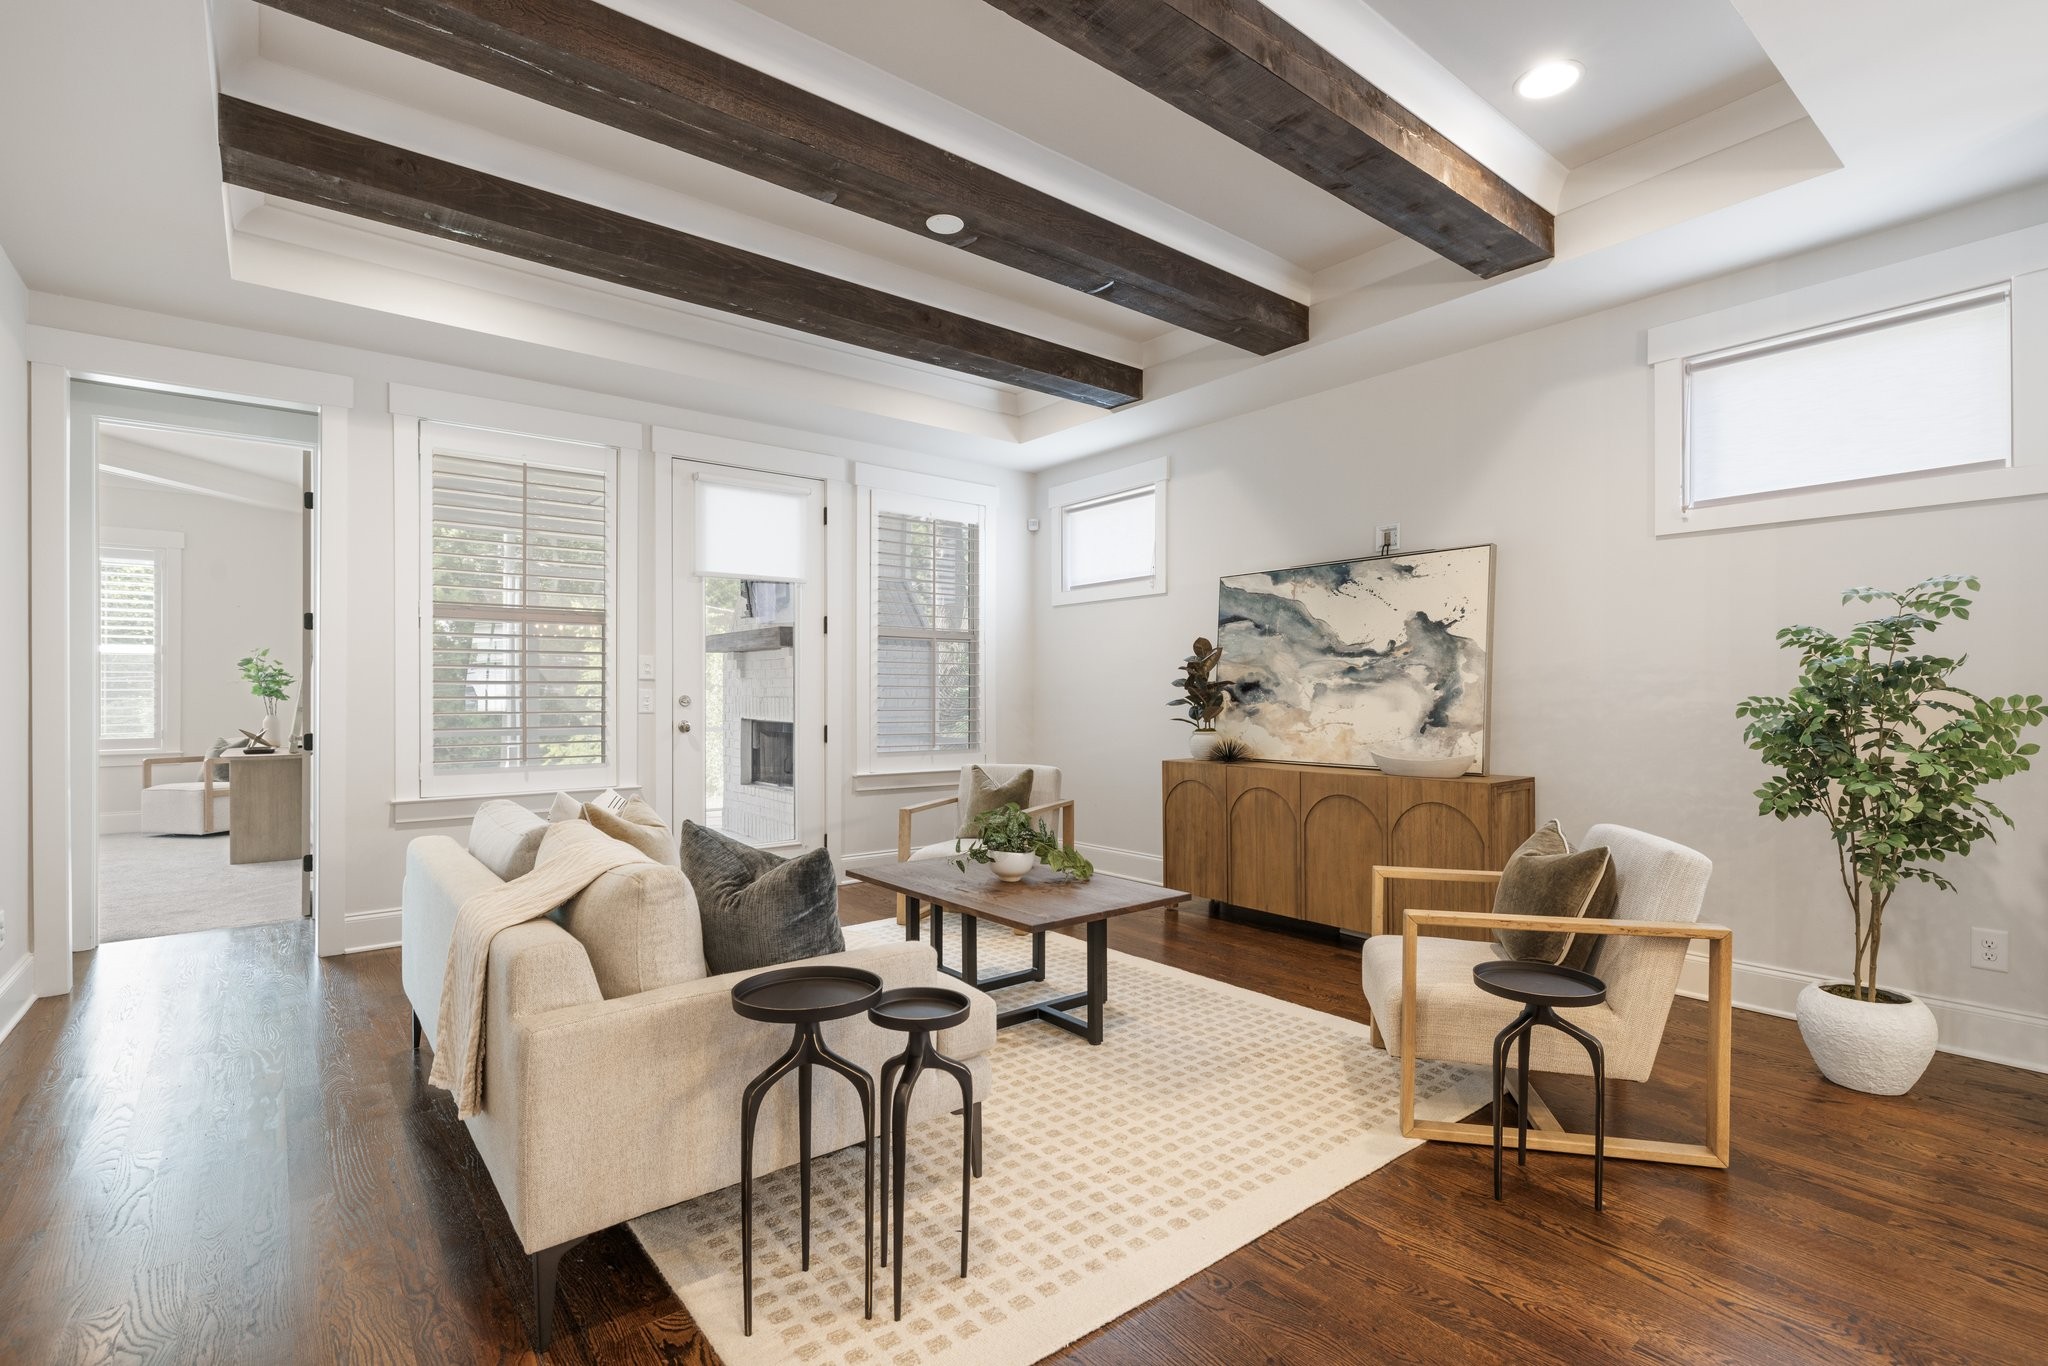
<point>805,1050</point>
<point>899,1079</point>
<point>1517,1033</point>
<point>1055,1011</point>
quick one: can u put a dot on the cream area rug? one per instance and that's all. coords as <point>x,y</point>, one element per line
<point>1208,1115</point>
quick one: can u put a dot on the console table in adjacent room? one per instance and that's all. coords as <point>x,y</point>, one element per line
<point>267,808</point>
<point>1301,840</point>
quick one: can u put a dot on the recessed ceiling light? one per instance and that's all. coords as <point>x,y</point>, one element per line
<point>945,224</point>
<point>1546,79</point>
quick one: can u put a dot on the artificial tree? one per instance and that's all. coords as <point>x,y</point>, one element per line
<point>268,679</point>
<point>1887,748</point>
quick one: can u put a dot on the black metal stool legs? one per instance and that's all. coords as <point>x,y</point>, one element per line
<point>1517,1034</point>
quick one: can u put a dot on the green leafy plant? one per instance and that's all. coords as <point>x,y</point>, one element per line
<point>1231,750</point>
<point>1201,696</point>
<point>267,678</point>
<point>1013,830</point>
<point>1883,745</point>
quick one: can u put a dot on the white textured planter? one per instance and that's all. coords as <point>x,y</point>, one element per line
<point>1867,1045</point>
<point>1200,743</point>
<point>1013,867</point>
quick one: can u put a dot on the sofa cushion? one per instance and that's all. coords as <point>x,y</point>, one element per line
<point>639,825</point>
<point>1543,877</point>
<point>759,909</point>
<point>985,794</point>
<point>505,837</point>
<point>638,922</point>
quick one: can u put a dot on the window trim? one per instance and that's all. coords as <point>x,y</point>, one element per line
<point>549,437</point>
<point>2018,261</point>
<point>892,495</point>
<point>1061,499</point>
<point>167,548</point>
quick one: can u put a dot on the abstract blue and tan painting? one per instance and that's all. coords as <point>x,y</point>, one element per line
<point>1329,662</point>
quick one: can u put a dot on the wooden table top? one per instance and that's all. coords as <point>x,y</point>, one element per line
<point>1044,900</point>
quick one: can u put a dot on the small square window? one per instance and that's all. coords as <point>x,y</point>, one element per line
<point>1111,533</point>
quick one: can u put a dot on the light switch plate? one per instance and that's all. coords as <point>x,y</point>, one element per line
<point>647,668</point>
<point>647,701</point>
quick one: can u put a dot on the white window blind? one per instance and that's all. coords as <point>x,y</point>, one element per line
<point>1907,391</point>
<point>1109,540</point>
<point>519,642</point>
<point>746,531</point>
<point>131,649</point>
<point>927,622</point>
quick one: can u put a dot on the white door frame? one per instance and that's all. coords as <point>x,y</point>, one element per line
<point>63,538</point>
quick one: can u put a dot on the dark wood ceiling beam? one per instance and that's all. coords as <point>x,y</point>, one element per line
<point>280,154</point>
<point>583,57</point>
<point>1252,76</point>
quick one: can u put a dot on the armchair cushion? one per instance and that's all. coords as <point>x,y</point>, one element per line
<point>758,909</point>
<point>981,794</point>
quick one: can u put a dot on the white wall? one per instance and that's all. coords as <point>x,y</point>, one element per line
<point>240,590</point>
<point>14,908</point>
<point>1619,658</point>
<point>376,842</point>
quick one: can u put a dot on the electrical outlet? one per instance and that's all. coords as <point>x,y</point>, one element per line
<point>1386,539</point>
<point>1987,950</point>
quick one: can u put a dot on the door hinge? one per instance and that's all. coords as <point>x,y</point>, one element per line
<point>825,626</point>
<point>828,735</point>
<point>309,500</point>
<point>309,621</point>
<point>308,864</point>
<point>309,742</point>
<point>828,516</point>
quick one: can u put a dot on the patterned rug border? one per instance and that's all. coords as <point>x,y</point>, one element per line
<point>1105,1299</point>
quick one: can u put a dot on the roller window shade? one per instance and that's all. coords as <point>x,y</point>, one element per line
<point>1110,540</point>
<point>520,637</point>
<point>745,531</point>
<point>927,616</point>
<point>131,648</point>
<point>1911,391</point>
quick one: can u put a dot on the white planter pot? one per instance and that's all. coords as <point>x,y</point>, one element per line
<point>1872,1046</point>
<point>1013,867</point>
<point>1200,743</point>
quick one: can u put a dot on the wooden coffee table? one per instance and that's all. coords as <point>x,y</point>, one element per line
<point>1043,901</point>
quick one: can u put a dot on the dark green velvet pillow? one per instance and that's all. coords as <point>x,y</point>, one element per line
<point>1544,877</point>
<point>758,909</point>
<point>984,795</point>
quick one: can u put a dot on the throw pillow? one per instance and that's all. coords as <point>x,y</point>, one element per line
<point>637,923</point>
<point>639,825</point>
<point>1545,878</point>
<point>214,751</point>
<point>985,794</point>
<point>505,838</point>
<point>564,808</point>
<point>758,909</point>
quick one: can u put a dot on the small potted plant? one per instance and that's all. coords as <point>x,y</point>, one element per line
<point>1013,842</point>
<point>1201,696</point>
<point>1884,746</point>
<point>268,679</point>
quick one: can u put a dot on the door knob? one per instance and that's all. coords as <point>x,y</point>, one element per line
<point>683,727</point>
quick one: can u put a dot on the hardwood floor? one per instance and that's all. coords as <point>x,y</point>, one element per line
<point>220,1149</point>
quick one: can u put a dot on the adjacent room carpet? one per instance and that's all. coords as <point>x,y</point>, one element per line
<point>1209,1115</point>
<point>172,884</point>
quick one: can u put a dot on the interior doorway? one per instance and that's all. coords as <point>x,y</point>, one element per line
<point>748,717</point>
<point>203,647</point>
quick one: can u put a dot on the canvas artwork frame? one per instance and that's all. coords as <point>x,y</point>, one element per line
<point>1325,663</point>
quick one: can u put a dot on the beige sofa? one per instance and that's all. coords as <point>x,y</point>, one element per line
<point>600,1109</point>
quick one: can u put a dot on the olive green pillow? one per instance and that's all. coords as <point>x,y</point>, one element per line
<point>984,795</point>
<point>1544,877</point>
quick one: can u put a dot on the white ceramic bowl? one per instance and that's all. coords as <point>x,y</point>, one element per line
<point>1414,766</point>
<point>1012,867</point>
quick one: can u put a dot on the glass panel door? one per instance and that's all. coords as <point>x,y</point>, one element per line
<point>749,712</point>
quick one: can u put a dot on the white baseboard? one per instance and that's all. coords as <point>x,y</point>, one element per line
<point>2017,1038</point>
<point>362,931</point>
<point>17,993</point>
<point>120,822</point>
<point>1130,863</point>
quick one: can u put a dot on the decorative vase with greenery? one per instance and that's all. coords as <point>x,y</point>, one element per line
<point>1013,840</point>
<point>268,680</point>
<point>1201,695</point>
<point>1884,745</point>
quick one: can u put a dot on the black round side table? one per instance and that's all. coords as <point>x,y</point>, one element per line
<point>921,1012</point>
<point>1543,989</point>
<point>805,997</point>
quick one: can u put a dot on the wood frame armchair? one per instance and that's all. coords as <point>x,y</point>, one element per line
<point>206,779</point>
<point>1546,1134</point>
<point>906,844</point>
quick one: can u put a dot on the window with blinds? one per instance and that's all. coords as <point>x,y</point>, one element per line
<point>131,649</point>
<point>519,641</point>
<point>927,624</point>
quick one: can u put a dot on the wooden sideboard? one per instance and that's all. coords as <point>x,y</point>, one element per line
<point>1301,840</point>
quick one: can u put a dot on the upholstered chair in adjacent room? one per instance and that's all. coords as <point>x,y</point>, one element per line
<point>1045,800</point>
<point>1421,988</point>
<point>183,808</point>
